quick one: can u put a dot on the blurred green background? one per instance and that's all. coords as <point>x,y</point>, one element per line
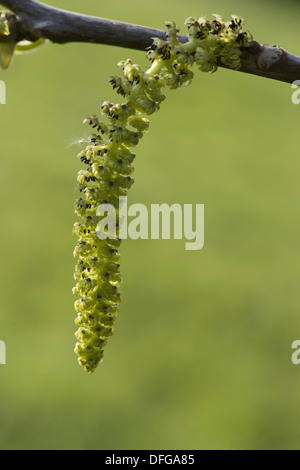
<point>201,355</point>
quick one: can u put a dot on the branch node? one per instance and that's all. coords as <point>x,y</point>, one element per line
<point>268,56</point>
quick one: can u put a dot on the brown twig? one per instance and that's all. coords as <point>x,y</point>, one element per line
<point>34,20</point>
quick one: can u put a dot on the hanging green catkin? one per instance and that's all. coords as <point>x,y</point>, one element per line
<point>109,157</point>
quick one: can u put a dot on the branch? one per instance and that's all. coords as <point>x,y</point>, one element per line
<point>34,20</point>
<point>60,26</point>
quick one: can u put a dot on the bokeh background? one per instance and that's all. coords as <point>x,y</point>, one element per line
<point>201,355</point>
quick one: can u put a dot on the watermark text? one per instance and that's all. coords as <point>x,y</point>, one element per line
<point>2,353</point>
<point>296,94</point>
<point>2,92</point>
<point>165,222</point>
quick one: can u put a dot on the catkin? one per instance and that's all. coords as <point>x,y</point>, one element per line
<point>109,157</point>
